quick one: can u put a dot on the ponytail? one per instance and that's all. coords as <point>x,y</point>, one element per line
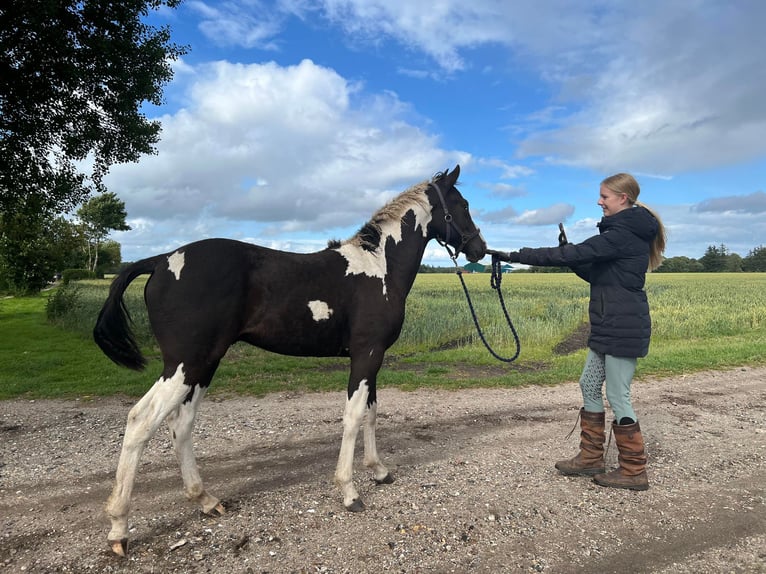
<point>657,247</point>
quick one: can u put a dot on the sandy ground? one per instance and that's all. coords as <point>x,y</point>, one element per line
<point>475,487</point>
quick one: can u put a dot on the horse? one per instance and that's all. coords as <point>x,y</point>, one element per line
<point>347,300</point>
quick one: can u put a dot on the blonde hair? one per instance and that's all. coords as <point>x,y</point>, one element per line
<point>624,183</point>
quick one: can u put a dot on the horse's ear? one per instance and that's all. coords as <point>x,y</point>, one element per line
<point>451,177</point>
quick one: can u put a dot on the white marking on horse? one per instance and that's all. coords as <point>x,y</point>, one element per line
<point>176,263</point>
<point>363,262</point>
<point>320,310</point>
<point>422,219</point>
<point>353,415</point>
<point>373,263</point>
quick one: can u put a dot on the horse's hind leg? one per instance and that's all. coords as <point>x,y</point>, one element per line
<point>181,424</point>
<point>166,395</point>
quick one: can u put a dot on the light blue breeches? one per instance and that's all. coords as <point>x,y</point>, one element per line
<point>618,374</point>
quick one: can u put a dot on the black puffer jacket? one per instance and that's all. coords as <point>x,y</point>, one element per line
<point>615,264</point>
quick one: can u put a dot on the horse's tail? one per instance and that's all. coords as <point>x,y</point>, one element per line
<point>112,331</point>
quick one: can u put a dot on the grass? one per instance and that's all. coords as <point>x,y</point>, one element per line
<point>701,321</point>
<point>38,359</point>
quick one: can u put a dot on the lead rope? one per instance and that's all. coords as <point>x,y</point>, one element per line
<point>577,420</point>
<point>495,281</point>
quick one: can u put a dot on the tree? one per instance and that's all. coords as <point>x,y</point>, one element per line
<point>73,78</point>
<point>714,259</point>
<point>109,258</point>
<point>28,264</point>
<point>98,216</point>
<point>733,263</point>
<point>755,260</point>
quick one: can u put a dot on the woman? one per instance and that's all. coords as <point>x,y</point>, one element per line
<point>631,241</point>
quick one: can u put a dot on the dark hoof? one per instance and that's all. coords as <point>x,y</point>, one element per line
<point>356,506</point>
<point>388,479</point>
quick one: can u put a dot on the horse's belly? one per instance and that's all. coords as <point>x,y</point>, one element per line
<point>296,342</point>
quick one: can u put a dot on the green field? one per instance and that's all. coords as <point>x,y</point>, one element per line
<point>701,321</point>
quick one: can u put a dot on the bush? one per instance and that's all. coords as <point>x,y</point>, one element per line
<point>76,275</point>
<point>63,303</point>
<point>75,307</point>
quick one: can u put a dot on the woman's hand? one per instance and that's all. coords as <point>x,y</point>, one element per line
<point>507,256</point>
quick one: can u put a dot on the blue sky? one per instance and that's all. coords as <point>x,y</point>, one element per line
<point>290,122</point>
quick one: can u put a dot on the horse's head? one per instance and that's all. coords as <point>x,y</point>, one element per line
<point>452,224</point>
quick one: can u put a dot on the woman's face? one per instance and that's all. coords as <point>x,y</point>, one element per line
<point>611,202</point>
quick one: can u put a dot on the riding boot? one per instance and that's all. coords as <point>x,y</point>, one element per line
<point>631,473</point>
<point>590,459</point>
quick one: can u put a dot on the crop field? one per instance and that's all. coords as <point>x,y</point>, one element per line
<point>700,321</point>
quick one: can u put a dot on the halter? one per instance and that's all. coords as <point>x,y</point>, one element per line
<point>495,280</point>
<point>450,223</point>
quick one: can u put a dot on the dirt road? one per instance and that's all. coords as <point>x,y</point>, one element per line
<point>475,487</point>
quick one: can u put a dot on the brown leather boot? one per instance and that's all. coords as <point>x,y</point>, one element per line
<point>590,459</point>
<point>631,473</point>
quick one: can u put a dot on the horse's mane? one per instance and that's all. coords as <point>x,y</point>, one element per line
<point>368,236</point>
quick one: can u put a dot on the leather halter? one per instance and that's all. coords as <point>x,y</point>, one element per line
<point>449,224</point>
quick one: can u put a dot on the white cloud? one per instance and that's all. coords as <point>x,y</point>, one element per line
<point>550,215</point>
<point>503,190</point>
<point>692,231</point>
<point>293,148</point>
<point>249,24</point>
<point>754,203</point>
<point>546,215</point>
<point>669,97</point>
<point>645,86</point>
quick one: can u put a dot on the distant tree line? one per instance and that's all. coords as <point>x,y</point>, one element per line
<point>717,258</point>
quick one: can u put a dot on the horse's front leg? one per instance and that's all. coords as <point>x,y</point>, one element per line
<point>371,459</point>
<point>353,414</point>
<point>361,400</point>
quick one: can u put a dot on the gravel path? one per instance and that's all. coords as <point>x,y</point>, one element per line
<point>475,487</point>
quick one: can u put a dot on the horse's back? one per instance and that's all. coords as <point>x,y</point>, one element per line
<point>208,294</point>
<point>203,268</point>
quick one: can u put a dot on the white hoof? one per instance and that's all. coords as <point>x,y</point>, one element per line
<point>119,547</point>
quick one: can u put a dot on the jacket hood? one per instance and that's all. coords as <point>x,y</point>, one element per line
<point>636,219</point>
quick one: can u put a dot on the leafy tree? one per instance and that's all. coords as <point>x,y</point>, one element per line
<point>733,263</point>
<point>98,216</point>
<point>109,258</point>
<point>47,246</point>
<point>714,259</point>
<point>755,260</point>
<point>73,78</point>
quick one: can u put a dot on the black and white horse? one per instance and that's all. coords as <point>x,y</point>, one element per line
<point>347,300</point>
